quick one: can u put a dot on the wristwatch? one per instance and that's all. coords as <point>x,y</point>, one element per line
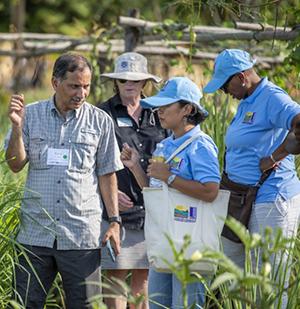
<point>171,179</point>
<point>116,219</point>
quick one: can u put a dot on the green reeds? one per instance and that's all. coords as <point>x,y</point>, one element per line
<point>221,110</point>
<point>254,286</point>
<point>10,196</point>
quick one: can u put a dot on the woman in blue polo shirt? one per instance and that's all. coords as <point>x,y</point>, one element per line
<point>194,171</point>
<point>259,138</point>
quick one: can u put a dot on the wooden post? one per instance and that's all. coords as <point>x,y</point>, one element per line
<point>132,34</point>
<point>17,15</point>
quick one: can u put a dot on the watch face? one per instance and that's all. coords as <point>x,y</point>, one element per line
<point>115,219</point>
<point>171,179</point>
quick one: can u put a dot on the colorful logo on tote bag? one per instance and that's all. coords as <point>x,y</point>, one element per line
<point>185,214</point>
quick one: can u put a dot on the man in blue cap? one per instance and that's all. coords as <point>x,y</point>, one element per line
<point>260,137</point>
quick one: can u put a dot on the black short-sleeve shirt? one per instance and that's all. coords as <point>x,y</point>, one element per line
<point>142,137</point>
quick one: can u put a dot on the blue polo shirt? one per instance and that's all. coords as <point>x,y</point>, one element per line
<point>260,125</point>
<point>198,161</point>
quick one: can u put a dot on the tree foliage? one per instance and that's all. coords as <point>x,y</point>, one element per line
<point>71,17</point>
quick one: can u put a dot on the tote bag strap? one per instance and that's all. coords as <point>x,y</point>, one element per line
<point>181,147</point>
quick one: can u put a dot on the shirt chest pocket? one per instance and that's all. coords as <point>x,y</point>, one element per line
<point>38,149</point>
<point>83,151</point>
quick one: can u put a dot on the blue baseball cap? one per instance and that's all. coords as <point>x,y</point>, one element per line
<point>176,89</point>
<point>228,63</point>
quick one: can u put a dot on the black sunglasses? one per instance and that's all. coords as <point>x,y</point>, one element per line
<point>226,84</point>
<point>123,81</point>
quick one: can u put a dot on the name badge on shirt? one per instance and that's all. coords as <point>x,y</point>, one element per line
<point>57,156</point>
<point>249,117</point>
<point>124,122</point>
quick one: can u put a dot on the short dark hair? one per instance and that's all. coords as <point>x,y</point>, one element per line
<point>69,62</point>
<point>196,116</point>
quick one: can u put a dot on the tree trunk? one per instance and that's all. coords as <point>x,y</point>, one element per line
<point>17,23</point>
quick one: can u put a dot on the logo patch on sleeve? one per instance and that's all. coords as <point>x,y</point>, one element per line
<point>249,117</point>
<point>175,163</point>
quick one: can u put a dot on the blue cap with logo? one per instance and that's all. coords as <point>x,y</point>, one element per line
<point>176,89</point>
<point>228,63</point>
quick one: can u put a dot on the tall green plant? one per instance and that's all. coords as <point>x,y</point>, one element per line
<point>221,110</point>
<point>251,287</point>
<point>10,196</point>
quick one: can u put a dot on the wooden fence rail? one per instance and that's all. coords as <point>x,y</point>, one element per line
<point>209,34</point>
<point>37,44</point>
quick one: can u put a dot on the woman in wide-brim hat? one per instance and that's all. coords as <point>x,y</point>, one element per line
<point>139,128</point>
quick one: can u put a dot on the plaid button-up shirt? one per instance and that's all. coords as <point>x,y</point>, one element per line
<point>64,202</point>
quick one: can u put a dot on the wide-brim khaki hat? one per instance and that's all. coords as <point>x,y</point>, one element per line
<point>131,66</point>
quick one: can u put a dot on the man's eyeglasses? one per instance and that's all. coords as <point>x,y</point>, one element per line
<point>226,84</point>
<point>123,81</point>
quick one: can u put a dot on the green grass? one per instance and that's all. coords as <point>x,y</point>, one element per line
<point>11,193</point>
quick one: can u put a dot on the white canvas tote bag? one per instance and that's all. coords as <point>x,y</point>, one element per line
<point>170,212</point>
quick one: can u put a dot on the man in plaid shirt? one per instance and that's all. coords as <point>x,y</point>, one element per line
<point>73,155</point>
